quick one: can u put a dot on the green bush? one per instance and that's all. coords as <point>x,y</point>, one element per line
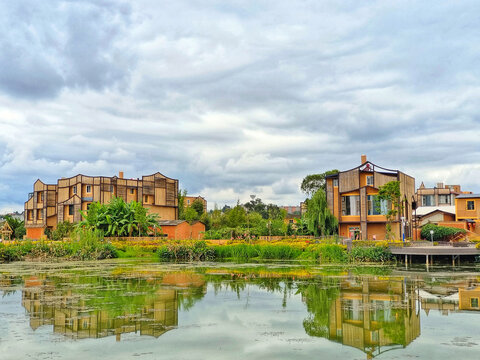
<point>86,245</point>
<point>326,253</point>
<point>370,254</point>
<point>440,233</point>
<point>186,251</point>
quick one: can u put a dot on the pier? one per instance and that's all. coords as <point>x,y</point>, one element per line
<point>430,251</point>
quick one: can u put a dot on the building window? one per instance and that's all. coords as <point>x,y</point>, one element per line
<point>375,206</point>
<point>370,180</point>
<point>351,205</point>
<point>29,214</point>
<point>89,189</point>
<point>474,302</point>
<point>188,202</point>
<point>428,200</point>
<point>70,210</point>
<point>39,214</point>
<point>111,188</point>
<point>470,205</point>
<point>40,197</point>
<point>444,199</point>
<point>335,182</point>
<point>132,191</point>
<point>145,199</point>
<point>75,189</point>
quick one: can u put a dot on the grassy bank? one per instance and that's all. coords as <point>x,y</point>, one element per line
<point>88,245</point>
<point>322,253</point>
<point>84,245</point>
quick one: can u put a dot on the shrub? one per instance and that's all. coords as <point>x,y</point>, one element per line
<point>326,253</point>
<point>440,233</point>
<point>370,254</point>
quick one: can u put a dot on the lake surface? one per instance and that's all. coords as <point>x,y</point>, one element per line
<point>142,310</point>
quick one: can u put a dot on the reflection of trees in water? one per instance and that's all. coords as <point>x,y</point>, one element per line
<point>367,313</point>
<point>319,297</point>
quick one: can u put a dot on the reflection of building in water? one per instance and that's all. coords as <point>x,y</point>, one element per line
<point>451,297</point>
<point>72,315</point>
<point>468,298</point>
<point>374,315</point>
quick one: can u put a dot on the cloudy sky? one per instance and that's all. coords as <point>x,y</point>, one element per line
<point>237,97</point>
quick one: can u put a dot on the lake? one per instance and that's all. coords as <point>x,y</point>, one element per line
<point>139,309</point>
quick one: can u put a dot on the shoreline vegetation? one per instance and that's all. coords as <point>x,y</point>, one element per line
<point>86,244</point>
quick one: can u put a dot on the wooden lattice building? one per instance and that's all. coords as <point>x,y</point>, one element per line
<point>5,231</point>
<point>351,198</point>
<point>50,204</point>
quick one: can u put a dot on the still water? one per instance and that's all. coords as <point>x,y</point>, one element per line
<point>139,309</point>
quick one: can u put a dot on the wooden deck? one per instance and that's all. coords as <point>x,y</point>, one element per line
<point>435,250</point>
<point>430,251</point>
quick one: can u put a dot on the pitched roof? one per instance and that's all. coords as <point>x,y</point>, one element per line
<point>170,222</point>
<point>424,210</point>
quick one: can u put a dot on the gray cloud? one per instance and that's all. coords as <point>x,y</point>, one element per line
<point>48,46</point>
<point>237,98</point>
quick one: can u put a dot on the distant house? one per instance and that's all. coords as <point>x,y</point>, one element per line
<point>351,196</point>
<point>189,200</point>
<point>50,204</point>
<point>182,230</point>
<point>439,195</point>
<point>433,215</point>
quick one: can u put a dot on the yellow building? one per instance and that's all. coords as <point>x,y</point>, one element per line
<point>467,209</point>
<point>50,204</point>
<point>351,198</point>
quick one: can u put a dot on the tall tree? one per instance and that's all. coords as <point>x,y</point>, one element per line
<point>391,193</point>
<point>319,218</point>
<point>181,203</point>
<point>197,205</point>
<point>311,183</point>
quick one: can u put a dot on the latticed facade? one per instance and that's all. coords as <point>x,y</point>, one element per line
<point>50,204</point>
<point>351,197</point>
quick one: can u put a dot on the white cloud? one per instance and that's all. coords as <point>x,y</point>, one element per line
<point>239,98</point>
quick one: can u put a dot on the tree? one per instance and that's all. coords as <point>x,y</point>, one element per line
<point>320,220</point>
<point>390,192</point>
<point>197,205</point>
<point>236,217</point>
<point>64,229</point>
<point>190,214</point>
<point>181,203</point>
<point>257,205</point>
<point>311,183</point>
<point>119,218</point>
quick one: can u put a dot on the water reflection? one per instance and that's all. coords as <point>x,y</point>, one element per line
<point>370,314</point>
<point>96,307</point>
<point>373,313</point>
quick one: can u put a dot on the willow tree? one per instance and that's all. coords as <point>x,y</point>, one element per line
<point>320,219</point>
<point>311,183</point>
